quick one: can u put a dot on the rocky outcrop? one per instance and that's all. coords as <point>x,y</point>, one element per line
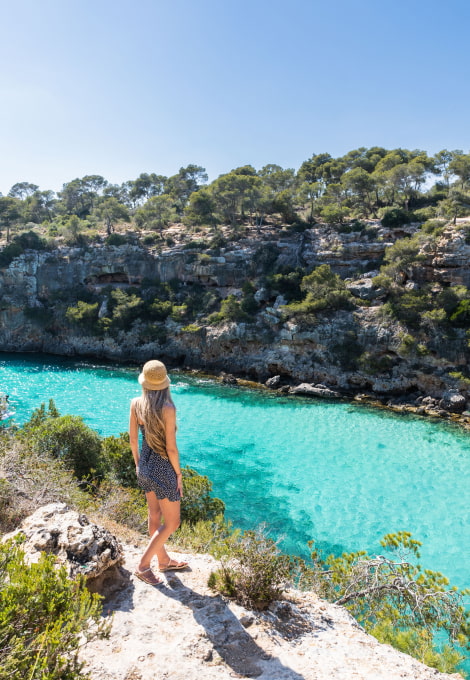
<point>84,548</point>
<point>185,631</point>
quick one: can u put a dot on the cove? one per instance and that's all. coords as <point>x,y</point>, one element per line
<point>341,474</point>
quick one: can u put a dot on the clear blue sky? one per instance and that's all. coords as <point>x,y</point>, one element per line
<point>118,88</point>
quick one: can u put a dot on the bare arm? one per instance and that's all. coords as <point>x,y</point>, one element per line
<point>134,433</point>
<point>169,418</point>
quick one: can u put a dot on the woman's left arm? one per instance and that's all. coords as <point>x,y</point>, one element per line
<point>169,418</point>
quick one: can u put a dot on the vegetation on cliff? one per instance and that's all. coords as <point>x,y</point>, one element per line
<point>282,234</point>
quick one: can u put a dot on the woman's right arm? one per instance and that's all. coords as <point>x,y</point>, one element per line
<point>134,434</point>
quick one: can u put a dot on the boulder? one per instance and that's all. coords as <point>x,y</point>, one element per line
<point>307,390</point>
<point>453,401</point>
<point>228,379</point>
<point>84,548</point>
<point>273,382</point>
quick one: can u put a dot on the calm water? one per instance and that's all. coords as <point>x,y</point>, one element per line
<point>344,475</point>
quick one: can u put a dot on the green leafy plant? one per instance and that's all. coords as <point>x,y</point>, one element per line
<point>66,438</point>
<point>44,618</point>
<point>254,572</point>
<point>197,503</point>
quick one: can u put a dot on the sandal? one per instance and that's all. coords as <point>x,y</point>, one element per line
<point>151,579</point>
<point>173,565</point>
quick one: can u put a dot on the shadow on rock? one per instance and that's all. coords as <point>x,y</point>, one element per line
<point>228,637</point>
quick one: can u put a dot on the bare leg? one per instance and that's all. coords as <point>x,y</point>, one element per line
<point>154,512</point>
<point>156,546</point>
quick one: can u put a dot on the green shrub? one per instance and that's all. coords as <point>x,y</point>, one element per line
<point>117,460</point>
<point>159,310</point>
<point>116,239</point>
<point>197,503</point>
<point>287,284</point>
<point>83,314</point>
<point>393,218</point>
<point>255,572</point>
<point>230,310</point>
<point>44,618</point>
<point>66,438</point>
<point>9,253</point>
<point>325,290</point>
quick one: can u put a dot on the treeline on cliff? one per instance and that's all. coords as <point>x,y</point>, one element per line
<point>398,204</point>
<point>374,182</point>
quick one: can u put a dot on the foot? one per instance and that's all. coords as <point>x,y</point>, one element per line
<point>147,576</point>
<point>172,565</point>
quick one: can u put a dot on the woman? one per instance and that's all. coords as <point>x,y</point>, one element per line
<point>158,468</point>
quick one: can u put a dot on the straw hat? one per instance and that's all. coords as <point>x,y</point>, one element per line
<point>154,376</point>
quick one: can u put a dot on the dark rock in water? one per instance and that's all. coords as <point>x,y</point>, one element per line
<point>273,382</point>
<point>308,390</point>
<point>453,401</point>
<point>285,389</point>
<point>228,379</point>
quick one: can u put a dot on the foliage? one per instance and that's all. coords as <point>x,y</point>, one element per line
<point>9,253</point>
<point>254,571</point>
<point>287,284</point>
<point>324,291</point>
<point>117,460</point>
<point>66,438</point>
<point>394,218</point>
<point>230,310</point>
<point>197,503</point>
<point>44,618</point>
<point>83,314</point>
<point>391,593</point>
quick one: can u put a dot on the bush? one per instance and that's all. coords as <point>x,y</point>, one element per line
<point>9,253</point>
<point>66,438</point>
<point>393,218</point>
<point>117,460</point>
<point>44,618</point>
<point>84,315</point>
<point>116,239</point>
<point>255,573</point>
<point>325,290</point>
<point>230,310</point>
<point>197,503</point>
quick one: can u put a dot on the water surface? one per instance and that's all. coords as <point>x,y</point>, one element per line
<point>341,474</point>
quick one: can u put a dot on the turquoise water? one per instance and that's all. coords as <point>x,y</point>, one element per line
<point>344,475</point>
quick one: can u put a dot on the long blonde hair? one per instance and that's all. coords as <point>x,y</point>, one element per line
<point>149,409</point>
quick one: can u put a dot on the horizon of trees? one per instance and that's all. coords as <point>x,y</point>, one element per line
<point>365,183</point>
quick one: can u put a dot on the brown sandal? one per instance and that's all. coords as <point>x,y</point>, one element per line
<point>173,565</point>
<point>148,579</point>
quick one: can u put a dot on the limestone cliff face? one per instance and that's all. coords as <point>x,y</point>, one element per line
<point>352,350</point>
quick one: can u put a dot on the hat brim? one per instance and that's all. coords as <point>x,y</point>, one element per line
<point>154,386</point>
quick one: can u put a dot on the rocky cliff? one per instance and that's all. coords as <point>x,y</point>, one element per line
<point>353,350</point>
<point>184,630</point>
